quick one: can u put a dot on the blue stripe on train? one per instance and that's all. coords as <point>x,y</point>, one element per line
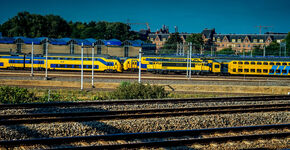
<point>72,66</point>
<point>287,68</point>
<point>280,68</point>
<point>1,64</point>
<point>274,67</point>
<point>26,61</point>
<point>142,65</point>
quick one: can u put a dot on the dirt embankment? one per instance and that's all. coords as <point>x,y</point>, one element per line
<point>194,88</point>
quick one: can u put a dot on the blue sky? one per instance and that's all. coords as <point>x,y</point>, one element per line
<point>227,16</point>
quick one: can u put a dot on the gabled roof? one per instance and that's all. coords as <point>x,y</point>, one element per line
<point>208,33</point>
<point>82,41</point>
<point>29,40</point>
<point>113,42</point>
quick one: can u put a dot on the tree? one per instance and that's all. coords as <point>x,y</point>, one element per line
<point>258,51</point>
<point>226,51</point>
<point>273,49</point>
<point>287,40</point>
<point>170,45</point>
<point>196,40</point>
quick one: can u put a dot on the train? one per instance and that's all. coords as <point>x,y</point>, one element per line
<point>154,64</point>
<point>73,63</point>
<point>215,66</point>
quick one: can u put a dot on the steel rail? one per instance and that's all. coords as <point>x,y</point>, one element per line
<point>147,113</point>
<point>145,101</point>
<point>196,134</point>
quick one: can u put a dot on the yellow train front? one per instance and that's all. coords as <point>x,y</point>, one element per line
<point>60,63</point>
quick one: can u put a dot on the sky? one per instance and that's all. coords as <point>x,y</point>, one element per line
<point>192,16</point>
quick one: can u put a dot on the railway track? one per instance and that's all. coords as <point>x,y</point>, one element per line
<point>134,114</point>
<point>146,101</point>
<point>156,139</point>
<point>145,75</point>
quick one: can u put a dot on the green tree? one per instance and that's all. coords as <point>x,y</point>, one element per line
<point>287,40</point>
<point>226,51</point>
<point>273,49</point>
<point>170,45</point>
<point>258,51</point>
<point>196,39</point>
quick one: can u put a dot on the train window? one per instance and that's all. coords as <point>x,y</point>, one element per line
<point>246,63</point>
<point>265,63</point>
<point>62,66</point>
<point>278,64</point>
<point>253,63</point>
<point>284,64</point>
<point>265,70</point>
<point>246,70</point>
<point>240,63</point>
<point>278,71</point>
<point>272,71</point>
<point>240,70</point>
<point>234,62</point>
<point>69,66</point>
<point>259,70</point>
<point>288,64</point>
<point>259,63</point>
<point>284,71</point>
<point>271,63</point>
<point>234,70</point>
<point>216,66</point>
<point>253,70</point>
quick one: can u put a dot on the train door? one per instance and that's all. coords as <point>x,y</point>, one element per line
<point>224,68</point>
<point>134,64</point>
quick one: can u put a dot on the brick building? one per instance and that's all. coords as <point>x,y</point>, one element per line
<point>246,42</point>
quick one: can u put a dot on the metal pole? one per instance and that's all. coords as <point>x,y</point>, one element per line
<point>285,49</point>
<point>190,53</point>
<point>93,65</point>
<point>82,67</point>
<point>280,51</point>
<point>140,55</point>
<point>46,53</point>
<point>187,64</point>
<point>211,51</point>
<point>264,52</point>
<point>182,49</point>
<point>32,49</point>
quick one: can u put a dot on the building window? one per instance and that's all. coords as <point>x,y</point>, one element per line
<point>238,45</point>
<point>255,40</point>
<point>126,52</point>
<point>261,40</point>
<point>152,39</point>
<point>233,40</point>
<point>218,40</point>
<point>278,41</point>
<point>213,39</point>
<point>244,45</point>
<point>72,48</point>
<point>249,45</point>
<point>239,40</point>
<point>163,39</point>
<point>99,50</point>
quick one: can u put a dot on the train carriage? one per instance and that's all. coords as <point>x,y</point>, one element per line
<point>61,63</point>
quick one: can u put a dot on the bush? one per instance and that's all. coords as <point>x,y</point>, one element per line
<point>136,90</point>
<point>15,95</point>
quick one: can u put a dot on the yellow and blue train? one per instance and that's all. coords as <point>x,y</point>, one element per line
<point>219,66</point>
<point>105,64</point>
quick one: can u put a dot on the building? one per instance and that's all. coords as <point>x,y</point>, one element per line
<point>246,42</point>
<point>68,46</point>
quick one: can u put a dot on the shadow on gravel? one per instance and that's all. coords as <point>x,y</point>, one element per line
<point>66,128</point>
